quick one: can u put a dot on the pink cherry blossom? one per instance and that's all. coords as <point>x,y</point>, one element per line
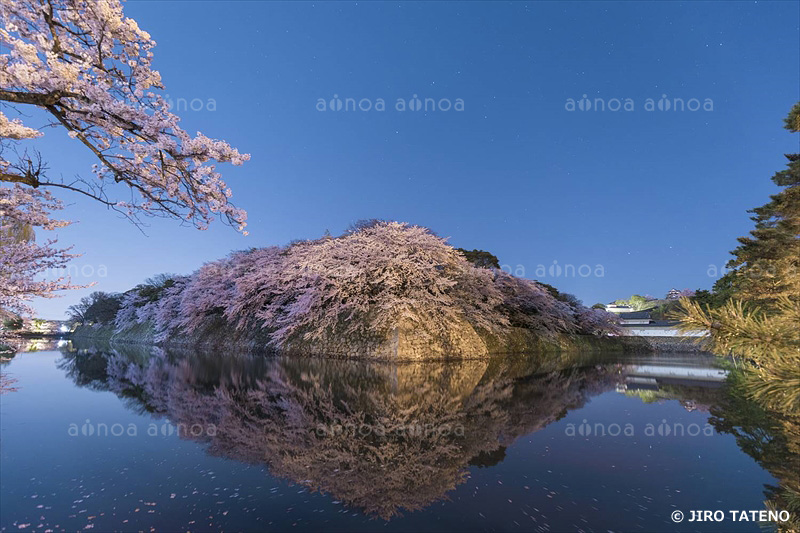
<point>89,68</point>
<point>22,259</point>
<point>362,284</point>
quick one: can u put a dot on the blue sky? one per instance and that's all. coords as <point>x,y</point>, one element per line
<point>647,200</point>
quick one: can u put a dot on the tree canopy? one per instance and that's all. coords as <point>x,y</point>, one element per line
<point>97,308</point>
<point>760,316</point>
<point>89,69</point>
<point>767,262</point>
<point>363,283</point>
<point>480,258</point>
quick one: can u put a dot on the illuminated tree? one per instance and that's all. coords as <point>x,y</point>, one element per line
<point>88,68</point>
<point>23,260</point>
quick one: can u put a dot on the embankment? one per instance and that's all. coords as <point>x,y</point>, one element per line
<point>399,345</point>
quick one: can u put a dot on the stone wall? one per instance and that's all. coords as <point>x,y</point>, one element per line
<point>677,344</point>
<point>405,343</point>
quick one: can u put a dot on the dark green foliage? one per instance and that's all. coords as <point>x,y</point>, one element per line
<point>660,312</point>
<point>152,288</point>
<point>704,298</point>
<point>758,322</point>
<point>97,308</point>
<point>721,292</point>
<point>104,309</point>
<point>723,288</point>
<point>480,258</point>
<point>153,293</point>
<point>570,299</point>
<point>715,298</point>
<point>549,288</point>
<point>565,297</point>
<point>364,223</point>
<point>13,323</point>
<point>767,262</point>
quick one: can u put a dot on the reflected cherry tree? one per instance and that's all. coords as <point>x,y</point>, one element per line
<point>383,438</point>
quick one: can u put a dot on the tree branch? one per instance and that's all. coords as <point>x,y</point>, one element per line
<point>27,179</point>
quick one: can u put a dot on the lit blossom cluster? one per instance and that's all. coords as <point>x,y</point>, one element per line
<point>89,68</point>
<point>597,321</point>
<point>366,282</point>
<point>16,130</point>
<point>22,259</point>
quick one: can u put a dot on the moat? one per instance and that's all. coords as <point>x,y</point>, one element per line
<point>137,438</point>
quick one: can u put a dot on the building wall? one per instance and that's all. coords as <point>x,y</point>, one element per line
<point>663,332</point>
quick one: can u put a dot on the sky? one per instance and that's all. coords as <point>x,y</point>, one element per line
<point>599,203</point>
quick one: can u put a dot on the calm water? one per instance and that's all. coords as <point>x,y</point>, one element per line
<point>134,440</point>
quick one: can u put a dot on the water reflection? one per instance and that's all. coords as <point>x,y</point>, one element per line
<point>380,437</point>
<point>771,438</point>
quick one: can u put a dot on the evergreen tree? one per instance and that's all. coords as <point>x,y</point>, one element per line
<point>760,315</point>
<point>480,258</point>
<point>767,263</point>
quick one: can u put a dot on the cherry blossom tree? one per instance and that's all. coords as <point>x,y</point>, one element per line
<point>364,284</point>
<point>373,279</point>
<point>22,259</point>
<point>256,273</point>
<point>598,322</point>
<point>88,68</point>
<point>207,292</point>
<point>529,305</point>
